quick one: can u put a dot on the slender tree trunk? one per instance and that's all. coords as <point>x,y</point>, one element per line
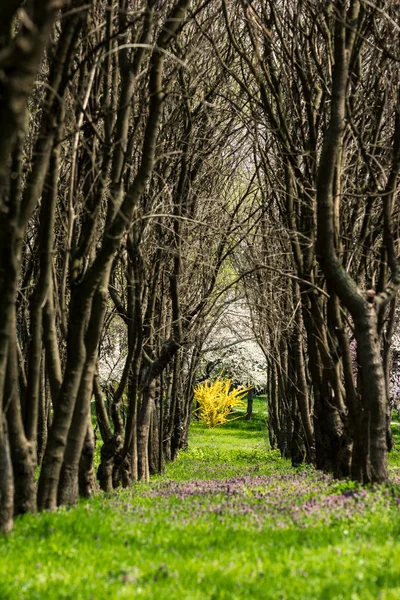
<point>172,408</point>
<point>6,481</point>
<point>144,420</point>
<point>69,483</point>
<point>375,401</point>
<point>68,490</point>
<point>154,437</point>
<point>301,377</point>
<point>284,398</point>
<point>178,420</point>
<point>161,427</point>
<point>44,402</point>
<point>64,409</point>
<point>86,469</point>
<point>387,357</point>
<point>110,448</point>
<point>130,451</point>
<point>51,345</point>
<point>298,449</point>
<point>332,438</point>
<point>273,419</point>
<point>23,454</point>
<point>40,294</point>
<point>250,397</point>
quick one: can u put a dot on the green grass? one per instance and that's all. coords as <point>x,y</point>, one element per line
<point>266,533</point>
<point>237,447</point>
<point>394,456</point>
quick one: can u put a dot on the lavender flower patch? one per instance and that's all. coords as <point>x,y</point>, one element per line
<point>303,499</point>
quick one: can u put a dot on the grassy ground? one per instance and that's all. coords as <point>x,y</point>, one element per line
<point>228,520</point>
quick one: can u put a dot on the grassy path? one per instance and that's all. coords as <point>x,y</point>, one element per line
<point>228,520</point>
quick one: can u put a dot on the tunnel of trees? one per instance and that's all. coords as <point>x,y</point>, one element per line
<point>160,160</point>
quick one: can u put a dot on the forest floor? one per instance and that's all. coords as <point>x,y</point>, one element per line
<point>228,520</point>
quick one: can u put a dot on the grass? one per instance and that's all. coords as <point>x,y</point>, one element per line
<point>228,520</point>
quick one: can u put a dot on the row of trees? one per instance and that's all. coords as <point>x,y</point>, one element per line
<point>322,86</point>
<point>157,160</point>
<point>118,158</point>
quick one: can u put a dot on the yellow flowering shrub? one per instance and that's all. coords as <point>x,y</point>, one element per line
<point>215,401</point>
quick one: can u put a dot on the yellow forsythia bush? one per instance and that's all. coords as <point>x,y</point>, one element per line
<point>216,401</point>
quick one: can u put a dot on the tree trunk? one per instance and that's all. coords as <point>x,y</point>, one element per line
<point>144,420</point>
<point>250,397</point>
<point>374,398</point>
<point>153,440</point>
<point>43,417</point>
<point>272,409</point>
<point>86,469</point>
<point>178,425</point>
<point>6,481</point>
<point>173,399</point>
<point>110,447</point>
<point>65,406</point>
<point>301,380</point>
<point>23,454</point>
<point>68,491</point>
